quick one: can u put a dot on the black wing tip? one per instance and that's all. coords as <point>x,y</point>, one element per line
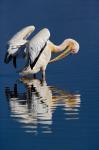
<point>31,65</point>
<point>14,62</point>
<point>7,58</point>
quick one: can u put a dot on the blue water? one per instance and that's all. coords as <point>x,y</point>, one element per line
<point>63,112</point>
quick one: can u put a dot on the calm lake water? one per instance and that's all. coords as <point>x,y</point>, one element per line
<point>62,112</point>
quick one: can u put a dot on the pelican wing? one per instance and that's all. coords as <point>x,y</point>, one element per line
<point>37,45</point>
<point>20,38</point>
<point>16,43</point>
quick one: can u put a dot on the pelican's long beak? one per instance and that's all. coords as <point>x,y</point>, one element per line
<point>66,52</point>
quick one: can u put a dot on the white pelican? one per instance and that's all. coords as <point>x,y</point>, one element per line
<point>39,50</point>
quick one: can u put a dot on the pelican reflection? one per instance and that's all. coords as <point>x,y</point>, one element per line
<point>34,105</point>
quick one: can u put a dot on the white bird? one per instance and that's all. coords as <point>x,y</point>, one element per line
<point>40,48</point>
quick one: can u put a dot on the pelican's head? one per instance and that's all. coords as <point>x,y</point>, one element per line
<point>72,45</point>
<point>69,46</point>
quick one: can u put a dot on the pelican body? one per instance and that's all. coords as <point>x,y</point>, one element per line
<point>38,50</point>
<point>41,64</point>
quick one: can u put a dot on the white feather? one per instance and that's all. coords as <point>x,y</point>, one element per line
<point>19,39</point>
<point>42,61</point>
<point>37,43</point>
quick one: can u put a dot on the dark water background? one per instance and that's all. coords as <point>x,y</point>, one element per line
<point>69,119</point>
